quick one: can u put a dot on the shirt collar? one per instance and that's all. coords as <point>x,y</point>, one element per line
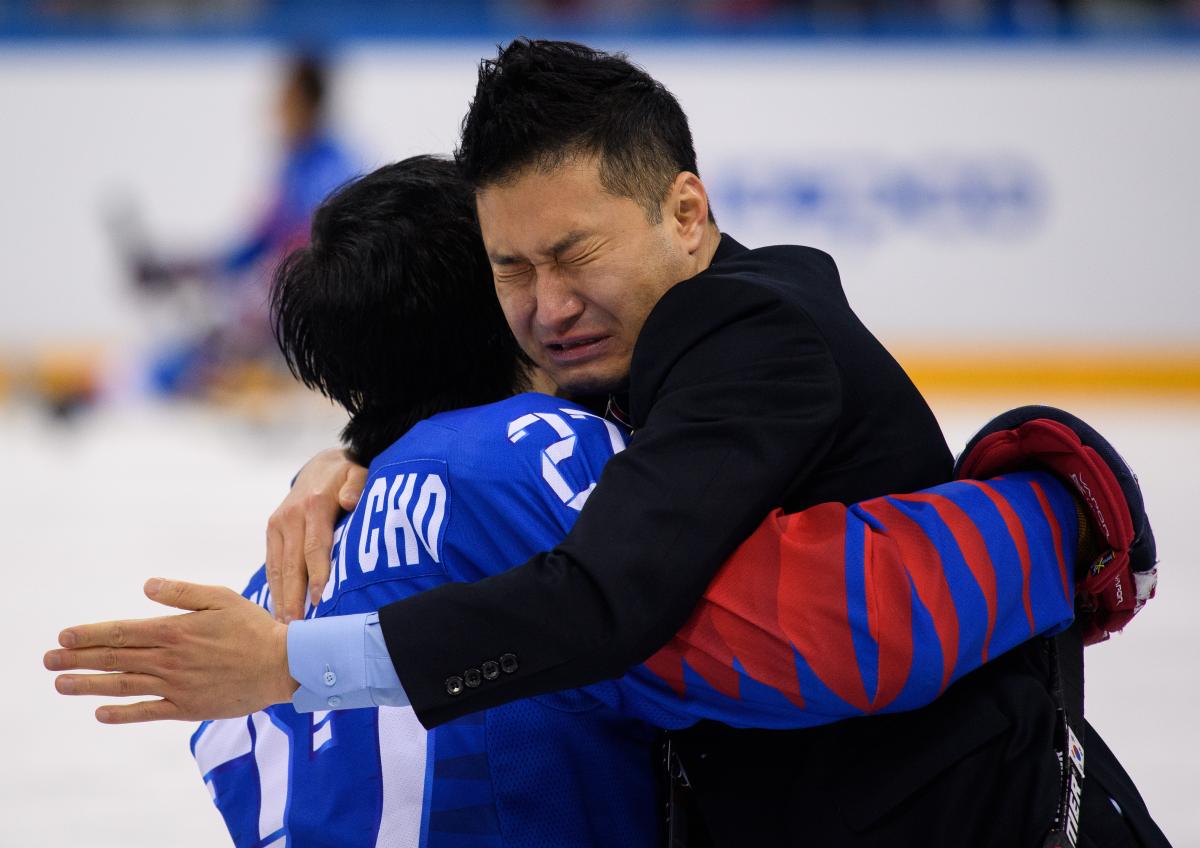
<point>727,248</point>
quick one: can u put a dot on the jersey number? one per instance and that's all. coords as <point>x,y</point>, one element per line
<point>563,449</point>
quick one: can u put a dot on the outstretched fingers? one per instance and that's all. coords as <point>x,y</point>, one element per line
<point>104,658</point>
<point>147,632</point>
<point>131,633</point>
<point>120,685</point>
<point>139,712</point>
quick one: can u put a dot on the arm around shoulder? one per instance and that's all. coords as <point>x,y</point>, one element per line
<point>738,406</point>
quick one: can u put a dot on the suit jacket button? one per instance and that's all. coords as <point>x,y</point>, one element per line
<point>472,677</point>
<point>491,670</point>
<point>508,663</point>
<point>454,685</point>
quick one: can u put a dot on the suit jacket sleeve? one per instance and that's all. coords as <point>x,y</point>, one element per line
<point>740,397</point>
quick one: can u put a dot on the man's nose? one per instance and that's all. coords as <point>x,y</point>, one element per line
<point>558,304</point>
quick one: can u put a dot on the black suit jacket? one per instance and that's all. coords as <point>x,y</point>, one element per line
<point>753,385</point>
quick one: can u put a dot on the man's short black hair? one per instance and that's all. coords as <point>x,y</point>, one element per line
<point>390,310</point>
<point>540,103</point>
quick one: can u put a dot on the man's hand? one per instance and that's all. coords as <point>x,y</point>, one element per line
<point>226,658</point>
<point>300,531</point>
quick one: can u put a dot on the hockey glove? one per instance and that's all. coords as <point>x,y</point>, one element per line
<point>1114,585</point>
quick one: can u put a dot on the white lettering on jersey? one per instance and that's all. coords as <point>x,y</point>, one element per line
<point>615,438</point>
<point>563,450</point>
<point>397,520</point>
<point>368,539</point>
<point>433,493</point>
<point>411,523</point>
<point>228,739</point>
<point>413,508</point>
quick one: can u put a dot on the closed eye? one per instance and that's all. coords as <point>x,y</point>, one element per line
<point>510,271</point>
<point>581,258</point>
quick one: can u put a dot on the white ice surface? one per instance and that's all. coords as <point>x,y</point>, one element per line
<point>91,511</point>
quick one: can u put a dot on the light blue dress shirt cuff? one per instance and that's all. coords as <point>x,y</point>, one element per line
<point>341,663</point>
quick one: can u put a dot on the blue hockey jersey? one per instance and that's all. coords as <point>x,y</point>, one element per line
<point>823,615</point>
<point>460,496</point>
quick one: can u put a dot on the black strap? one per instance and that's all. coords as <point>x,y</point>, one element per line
<point>1065,653</point>
<point>677,820</point>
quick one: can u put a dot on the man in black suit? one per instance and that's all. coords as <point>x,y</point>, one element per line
<point>751,385</point>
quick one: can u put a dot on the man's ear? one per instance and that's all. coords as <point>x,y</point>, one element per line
<point>687,209</point>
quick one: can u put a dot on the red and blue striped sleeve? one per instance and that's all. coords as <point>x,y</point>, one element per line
<point>841,611</point>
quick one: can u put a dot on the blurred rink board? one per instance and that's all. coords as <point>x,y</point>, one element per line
<point>1042,199</point>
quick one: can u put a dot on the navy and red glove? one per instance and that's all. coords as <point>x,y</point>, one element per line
<point>1120,577</point>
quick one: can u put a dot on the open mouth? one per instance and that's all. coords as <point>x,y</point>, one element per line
<point>574,350</point>
<point>573,344</point>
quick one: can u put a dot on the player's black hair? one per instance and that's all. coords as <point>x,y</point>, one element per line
<point>541,102</point>
<point>390,310</point>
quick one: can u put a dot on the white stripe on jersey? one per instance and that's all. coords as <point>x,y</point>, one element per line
<point>321,735</point>
<point>272,747</point>
<point>221,742</point>
<point>403,748</point>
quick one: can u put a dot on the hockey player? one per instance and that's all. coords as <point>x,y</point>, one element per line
<point>236,334</point>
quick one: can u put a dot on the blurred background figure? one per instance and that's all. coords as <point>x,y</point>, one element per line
<point>224,342</point>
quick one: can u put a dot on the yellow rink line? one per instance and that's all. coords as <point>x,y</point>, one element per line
<point>1166,371</point>
<point>944,370</point>
<point>53,370</point>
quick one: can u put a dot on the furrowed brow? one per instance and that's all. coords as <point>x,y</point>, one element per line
<point>567,242</point>
<point>559,247</point>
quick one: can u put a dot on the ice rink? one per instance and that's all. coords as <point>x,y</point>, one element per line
<point>95,507</point>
